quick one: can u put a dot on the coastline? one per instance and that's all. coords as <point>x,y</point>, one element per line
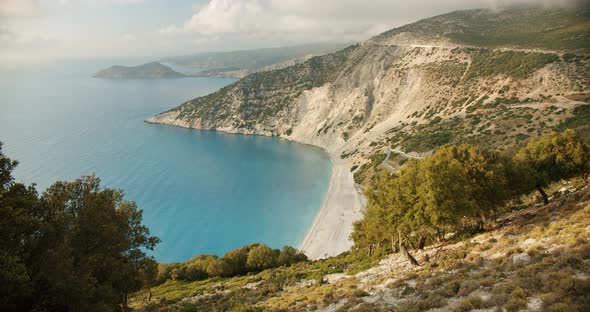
<point>329,234</point>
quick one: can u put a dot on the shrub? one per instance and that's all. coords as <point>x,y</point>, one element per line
<point>553,157</point>
<point>262,257</point>
<point>236,259</point>
<point>289,256</point>
<point>219,268</point>
<point>430,301</point>
<point>468,287</point>
<point>515,304</point>
<point>470,303</point>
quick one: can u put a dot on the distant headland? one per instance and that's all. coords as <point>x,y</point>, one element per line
<point>153,70</point>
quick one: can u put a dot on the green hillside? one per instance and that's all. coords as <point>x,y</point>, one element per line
<point>521,27</point>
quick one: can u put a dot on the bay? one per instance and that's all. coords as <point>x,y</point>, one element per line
<point>201,191</point>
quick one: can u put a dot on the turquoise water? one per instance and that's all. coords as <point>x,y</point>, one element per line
<point>201,191</point>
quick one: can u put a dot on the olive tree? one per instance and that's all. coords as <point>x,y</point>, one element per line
<point>553,157</point>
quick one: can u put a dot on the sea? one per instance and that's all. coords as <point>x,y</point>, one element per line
<point>200,191</point>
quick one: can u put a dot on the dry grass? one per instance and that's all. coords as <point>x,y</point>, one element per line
<point>537,254</point>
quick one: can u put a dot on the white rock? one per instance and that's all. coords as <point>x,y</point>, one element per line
<point>563,190</point>
<point>521,258</point>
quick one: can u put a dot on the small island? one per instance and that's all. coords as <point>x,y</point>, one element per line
<point>153,70</point>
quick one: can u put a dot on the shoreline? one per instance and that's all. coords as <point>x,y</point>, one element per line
<point>329,234</point>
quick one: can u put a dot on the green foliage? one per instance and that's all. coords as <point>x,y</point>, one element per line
<point>555,156</point>
<point>426,302</point>
<point>457,186</point>
<point>424,141</point>
<point>240,307</point>
<point>248,259</point>
<point>77,247</point>
<point>524,27</point>
<point>374,160</point>
<point>219,268</point>
<point>237,260</point>
<point>290,256</point>
<point>515,64</point>
<point>261,257</point>
<point>580,118</point>
<point>78,214</point>
<point>18,224</point>
<point>448,71</point>
<point>14,278</point>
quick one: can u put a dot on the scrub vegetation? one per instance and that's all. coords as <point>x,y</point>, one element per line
<point>522,27</point>
<point>463,229</point>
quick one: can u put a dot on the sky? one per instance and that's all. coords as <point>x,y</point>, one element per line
<point>39,30</point>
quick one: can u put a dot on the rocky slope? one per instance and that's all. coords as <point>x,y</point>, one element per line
<point>152,70</point>
<point>534,258</point>
<point>440,80</point>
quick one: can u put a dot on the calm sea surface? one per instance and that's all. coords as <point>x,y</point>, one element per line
<point>201,191</point>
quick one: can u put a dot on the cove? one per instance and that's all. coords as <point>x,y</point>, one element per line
<point>201,191</point>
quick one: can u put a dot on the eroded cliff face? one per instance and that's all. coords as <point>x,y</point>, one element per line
<point>372,96</point>
<point>491,78</point>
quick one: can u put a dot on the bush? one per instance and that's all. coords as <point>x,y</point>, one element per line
<point>553,157</point>
<point>430,301</point>
<point>237,260</point>
<point>289,256</point>
<point>470,303</point>
<point>468,287</point>
<point>515,304</point>
<point>262,257</point>
<point>219,268</point>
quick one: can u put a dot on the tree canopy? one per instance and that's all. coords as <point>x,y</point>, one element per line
<point>455,186</point>
<point>244,260</point>
<point>459,188</point>
<point>553,157</point>
<point>75,247</point>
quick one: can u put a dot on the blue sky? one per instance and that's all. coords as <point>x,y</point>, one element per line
<point>39,30</point>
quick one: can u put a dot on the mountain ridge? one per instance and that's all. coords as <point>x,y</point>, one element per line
<point>378,94</point>
<point>241,63</point>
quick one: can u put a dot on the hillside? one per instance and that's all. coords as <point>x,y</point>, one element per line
<point>534,258</point>
<point>518,27</point>
<point>153,70</point>
<point>244,62</point>
<point>373,106</point>
<point>416,94</point>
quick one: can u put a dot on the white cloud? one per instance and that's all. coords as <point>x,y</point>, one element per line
<point>107,2</point>
<point>319,17</point>
<point>52,28</point>
<point>24,39</point>
<point>100,2</point>
<point>48,4</point>
<point>129,37</point>
<point>18,8</point>
<point>30,8</point>
<point>263,16</point>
